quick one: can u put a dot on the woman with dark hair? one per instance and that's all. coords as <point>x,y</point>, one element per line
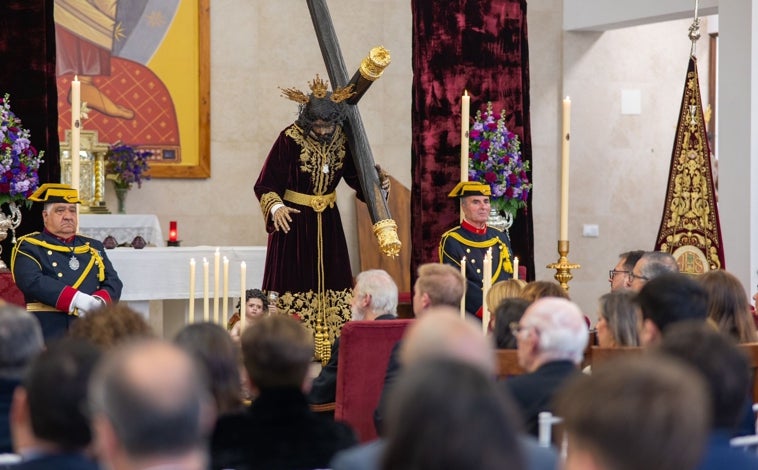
<point>728,305</point>
<point>256,307</point>
<point>444,414</point>
<point>617,320</point>
<point>218,359</point>
<point>509,311</point>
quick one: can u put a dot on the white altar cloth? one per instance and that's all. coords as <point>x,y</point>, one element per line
<point>123,227</point>
<point>156,280</point>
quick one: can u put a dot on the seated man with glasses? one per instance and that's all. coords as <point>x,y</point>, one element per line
<point>551,337</point>
<point>619,275</point>
<point>651,265</point>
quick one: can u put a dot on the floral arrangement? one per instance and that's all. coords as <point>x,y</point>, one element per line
<point>495,159</point>
<point>19,160</point>
<point>126,166</point>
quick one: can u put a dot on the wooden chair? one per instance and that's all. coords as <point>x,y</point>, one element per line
<point>507,363</point>
<point>365,348</point>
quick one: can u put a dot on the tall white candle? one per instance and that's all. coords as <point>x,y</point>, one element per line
<point>486,284</point>
<point>225,303</point>
<point>463,299</point>
<point>515,267</point>
<point>565,168</point>
<point>206,288</point>
<point>216,282</point>
<point>243,281</point>
<point>76,114</point>
<point>465,116</point>
<point>191,316</point>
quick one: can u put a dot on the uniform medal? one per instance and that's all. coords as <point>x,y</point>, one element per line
<point>73,263</point>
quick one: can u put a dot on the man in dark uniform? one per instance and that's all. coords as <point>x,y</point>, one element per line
<point>472,238</point>
<point>62,275</point>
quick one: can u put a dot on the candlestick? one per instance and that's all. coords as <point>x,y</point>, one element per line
<point>76,115</point>
<point>486,284</point>
<point>225,304</point>
<point>191,316</point>
<point>465,116</point>
<point>515,267</point>
<point>243,275</point>
<point>565,168</point>
<point>206,298</point>
<point>216,281</point>
<point>463,299</point>
<point>563,267</point>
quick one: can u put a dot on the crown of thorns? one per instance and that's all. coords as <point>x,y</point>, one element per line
<point>318,90</point>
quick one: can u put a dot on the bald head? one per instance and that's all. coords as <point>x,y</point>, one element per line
<point>556,330</point>
<point>444,334</point>
<point>151,394</point>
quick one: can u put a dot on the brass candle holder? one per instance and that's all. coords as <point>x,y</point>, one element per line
<point>563,267</point>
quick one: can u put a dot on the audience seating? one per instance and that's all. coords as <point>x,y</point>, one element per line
<point>365,348</point>
<point>8,290</point>
<point>507,363</point>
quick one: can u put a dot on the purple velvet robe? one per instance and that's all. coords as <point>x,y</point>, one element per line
<point>304,165</point>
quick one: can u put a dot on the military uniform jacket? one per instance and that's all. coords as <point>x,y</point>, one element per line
<point>51,271</point>
<point>466,240</point>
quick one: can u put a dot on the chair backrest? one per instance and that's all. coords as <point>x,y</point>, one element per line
<point>365,348</point>
<point>751,350</point>
<point>507,363</point>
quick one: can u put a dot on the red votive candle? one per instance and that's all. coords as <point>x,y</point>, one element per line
<point>172,234</point>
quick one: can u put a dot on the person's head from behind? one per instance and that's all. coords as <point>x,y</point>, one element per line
<point>374,294</point>
<point>620,274</point>
<point>49,408</point>
<point>20,341</point>
<point>501,290</point>
<point>148,401</point>
<point>277,353</point>
<point>446,414</point>
<point>443,333</point>
<point>618,320</point>
<point>539,289</point>
<point>218,355</point>
<point>728,305</point>
<point>437,284</point>
<point>507,313</point>
<point>651,265</point>
<point>111,326</point>
<point>635,412</point>
<point>722,365</point>
<point>668,299</point>
<point>552,329</point>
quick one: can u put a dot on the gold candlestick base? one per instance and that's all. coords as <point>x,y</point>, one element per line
<point>563,267</point>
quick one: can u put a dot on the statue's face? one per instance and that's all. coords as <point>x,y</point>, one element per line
<point>322,130</point>
<point>60,219</point>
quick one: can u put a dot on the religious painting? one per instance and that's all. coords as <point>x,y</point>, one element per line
<point>144,72</point>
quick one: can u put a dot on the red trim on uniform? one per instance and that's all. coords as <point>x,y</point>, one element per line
<point>65,298</point>
<point>479,231</point>
<point>63,240</point>
<point>103,294</point>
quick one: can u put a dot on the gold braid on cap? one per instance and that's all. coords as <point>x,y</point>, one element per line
<point>318,89</point>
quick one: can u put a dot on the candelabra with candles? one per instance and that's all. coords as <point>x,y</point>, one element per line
<point>91,170</point>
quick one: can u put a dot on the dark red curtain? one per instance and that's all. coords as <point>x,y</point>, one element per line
<point>27,52</point>
<point>479,46</point>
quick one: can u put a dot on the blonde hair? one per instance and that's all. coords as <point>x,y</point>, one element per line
<point>539,289</point>
<point>501,290</point>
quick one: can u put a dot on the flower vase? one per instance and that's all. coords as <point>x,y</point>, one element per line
<point>121,197</point>
<point>9,222</point>
<point>500,221</point>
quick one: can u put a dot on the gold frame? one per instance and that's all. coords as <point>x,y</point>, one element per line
<point>203,168</point>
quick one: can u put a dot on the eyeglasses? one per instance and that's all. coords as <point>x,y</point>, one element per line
<point>637,276</point>
<point>612,273</point>
<point>517,329</point>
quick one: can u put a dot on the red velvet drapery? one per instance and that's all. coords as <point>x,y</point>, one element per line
<point>480,46</point>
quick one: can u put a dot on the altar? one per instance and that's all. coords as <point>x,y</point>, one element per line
<point>122,227</point>
<point>156,280</point>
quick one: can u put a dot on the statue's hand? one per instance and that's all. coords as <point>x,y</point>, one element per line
<point>384,181</point>
<point>282,218</point>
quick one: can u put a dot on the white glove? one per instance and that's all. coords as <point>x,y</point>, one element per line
<point>86,303</point>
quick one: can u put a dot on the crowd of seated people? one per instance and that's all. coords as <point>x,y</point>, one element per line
<point>113,395</point>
